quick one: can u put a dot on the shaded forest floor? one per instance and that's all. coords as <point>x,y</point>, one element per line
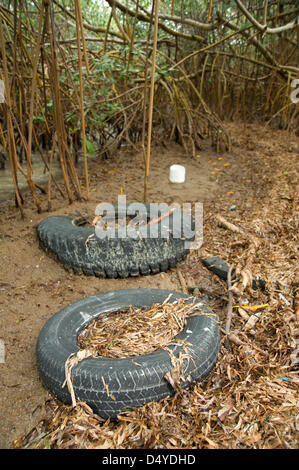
<point>251,397</point>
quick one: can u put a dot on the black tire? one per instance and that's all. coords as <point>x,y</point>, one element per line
<point>132,381</point>
<point>218,266</point>
<point>78,248</point>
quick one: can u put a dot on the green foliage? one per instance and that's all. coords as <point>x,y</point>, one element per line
<point>38,119</point>
<point>89,147</point>
<point>118,68</point>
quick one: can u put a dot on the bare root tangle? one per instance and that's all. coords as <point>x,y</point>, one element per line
<point>89,83</point>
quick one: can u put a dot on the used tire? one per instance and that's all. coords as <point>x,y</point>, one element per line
<point>80,249</point>
<point>131,382</point>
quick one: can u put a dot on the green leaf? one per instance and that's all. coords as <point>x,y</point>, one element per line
<point>50,105</point>
<point>89,147</point>
<point>38,119</point>
<point>73,130</point>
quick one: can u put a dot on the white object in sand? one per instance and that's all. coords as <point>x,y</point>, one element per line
<point>177,174</point>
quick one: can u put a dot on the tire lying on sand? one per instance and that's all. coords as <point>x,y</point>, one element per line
<point>109,385</point>
<point>81,249</point>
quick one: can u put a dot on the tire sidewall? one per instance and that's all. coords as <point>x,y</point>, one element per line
<point>58,340</point>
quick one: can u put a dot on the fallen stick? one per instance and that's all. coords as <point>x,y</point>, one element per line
<point>161,217</point>
<point>230,301</point>
<point>233,338</point>
<point>224,223</point>
<point>252,321</point>
<point>182,282</point>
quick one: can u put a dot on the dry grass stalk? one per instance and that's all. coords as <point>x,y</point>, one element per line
<point>80,34</point>
<point>11,138</point>
<point>230,301</point>
<point>182,281</point>
<point>151,100</point>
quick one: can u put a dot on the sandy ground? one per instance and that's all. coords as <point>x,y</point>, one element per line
<point>33,286</point>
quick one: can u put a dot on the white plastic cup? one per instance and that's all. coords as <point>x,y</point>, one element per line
<point>177,174</point>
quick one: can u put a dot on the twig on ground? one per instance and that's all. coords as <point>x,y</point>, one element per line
<point>224,223</point>
<point>182,282</point>
<point>230,301</point>
<point>155,221</point>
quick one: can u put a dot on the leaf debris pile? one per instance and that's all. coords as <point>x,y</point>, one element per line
<point>135,331</point>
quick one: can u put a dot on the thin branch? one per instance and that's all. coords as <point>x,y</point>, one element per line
<point>264,28</point>
<point>146,18</point>
<point>152,89</point>
<point>80,32</point>
<point>191,22</point>
<point>230,301</point>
